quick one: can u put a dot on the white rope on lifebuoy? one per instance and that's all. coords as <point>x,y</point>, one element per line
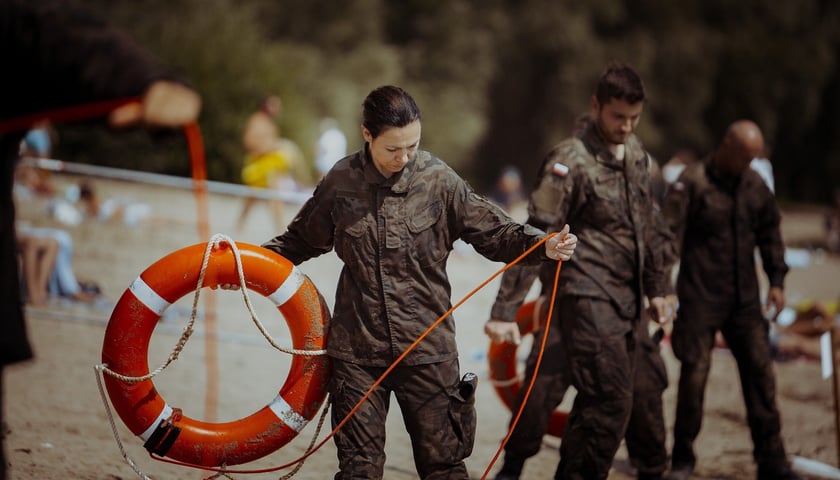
<point>214,243</point>
<point>151,299</point>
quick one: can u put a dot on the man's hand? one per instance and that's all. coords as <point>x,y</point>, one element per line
<point>775,299</point>
<point>672,303</point>
<point>562,245</point>
<point>661,309</point>
<point>165,104</point>
<point>501,331</point>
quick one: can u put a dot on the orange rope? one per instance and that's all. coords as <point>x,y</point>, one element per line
<point>384,375</point>
<point>533,375</point>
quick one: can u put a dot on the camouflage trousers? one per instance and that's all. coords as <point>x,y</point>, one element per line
<point>645,435</point>
<point>599,358</point>
<point>438,410</point>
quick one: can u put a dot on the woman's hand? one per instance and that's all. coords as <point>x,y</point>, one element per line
<point>561,245</point>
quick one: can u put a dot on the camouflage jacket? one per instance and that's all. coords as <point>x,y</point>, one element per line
<point>718,223</point>
<point>394,237</point>
<point>610,206</point>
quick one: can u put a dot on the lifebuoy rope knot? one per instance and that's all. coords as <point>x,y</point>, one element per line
<point>165,430</point>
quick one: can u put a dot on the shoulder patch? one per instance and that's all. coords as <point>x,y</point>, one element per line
<point>559,169</point>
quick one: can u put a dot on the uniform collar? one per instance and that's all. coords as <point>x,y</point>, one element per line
<point>596,146</point>
<point>727,182</point>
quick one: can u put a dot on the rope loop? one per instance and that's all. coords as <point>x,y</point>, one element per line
<point>216,242</point>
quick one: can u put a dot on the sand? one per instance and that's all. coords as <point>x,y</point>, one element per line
<point>58,427</point>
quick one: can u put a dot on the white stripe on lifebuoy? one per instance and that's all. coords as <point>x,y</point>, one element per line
<point>285,412</point>
<point>506,382</point>
<point>288,288</point>
<point>125,349</point>
<point>164,414</point>
<point>148,297</point>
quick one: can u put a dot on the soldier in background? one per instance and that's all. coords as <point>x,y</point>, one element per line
<point>720,211</point>
<point>597,181</point>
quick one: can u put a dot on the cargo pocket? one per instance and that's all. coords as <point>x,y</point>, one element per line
<point>651,374</point>
<point>339,406</point>
<point>463,417</point>
<point>583,362</point>
<point>683,342</point>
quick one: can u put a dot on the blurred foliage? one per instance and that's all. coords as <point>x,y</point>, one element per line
<point>499,81</point>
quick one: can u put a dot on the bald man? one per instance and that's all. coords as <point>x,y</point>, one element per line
<point>720,210</point>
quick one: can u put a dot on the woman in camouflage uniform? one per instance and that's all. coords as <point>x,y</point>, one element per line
<point>392,212</point>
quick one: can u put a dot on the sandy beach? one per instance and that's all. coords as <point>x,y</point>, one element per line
<point>57,425</point>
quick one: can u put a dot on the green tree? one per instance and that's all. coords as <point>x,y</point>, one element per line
<point>499,81</point>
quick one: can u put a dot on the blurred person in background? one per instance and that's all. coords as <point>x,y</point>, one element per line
<point>720,210</point>
<point>599,182</point>
<point>63,55</point>
<point>330,147</point>
<point>675,165</point>
<point>37,257</point>
<point>62,281</point>
<point>271,162</point>
<point>762,165</point>
<point>507,192</point>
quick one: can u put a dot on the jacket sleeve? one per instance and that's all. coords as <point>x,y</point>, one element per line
<point>516,283</point>
<point>312,232</point>
<point>489,229</point>
<point>656,274</point>
<point>770,244</point>
<point>675,207</point>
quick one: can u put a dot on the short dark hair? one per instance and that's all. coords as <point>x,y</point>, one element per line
<point>387,107</point>
<point>620,82</point>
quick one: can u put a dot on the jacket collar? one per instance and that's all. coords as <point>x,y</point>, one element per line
<point>596,146</point>
<point>727,182</point>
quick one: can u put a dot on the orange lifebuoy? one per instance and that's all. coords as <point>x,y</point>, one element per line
<point>503,366</point>
<point>164,429</point>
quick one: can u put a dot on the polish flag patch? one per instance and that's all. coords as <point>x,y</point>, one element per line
<point>559,169</point>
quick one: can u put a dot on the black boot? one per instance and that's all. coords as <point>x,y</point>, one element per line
<point>776,471</point>
<point>680,472</point>
<point>649,476</point>
<point>511,469</point>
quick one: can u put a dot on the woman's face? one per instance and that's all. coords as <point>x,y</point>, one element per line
<point>394,147</point>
